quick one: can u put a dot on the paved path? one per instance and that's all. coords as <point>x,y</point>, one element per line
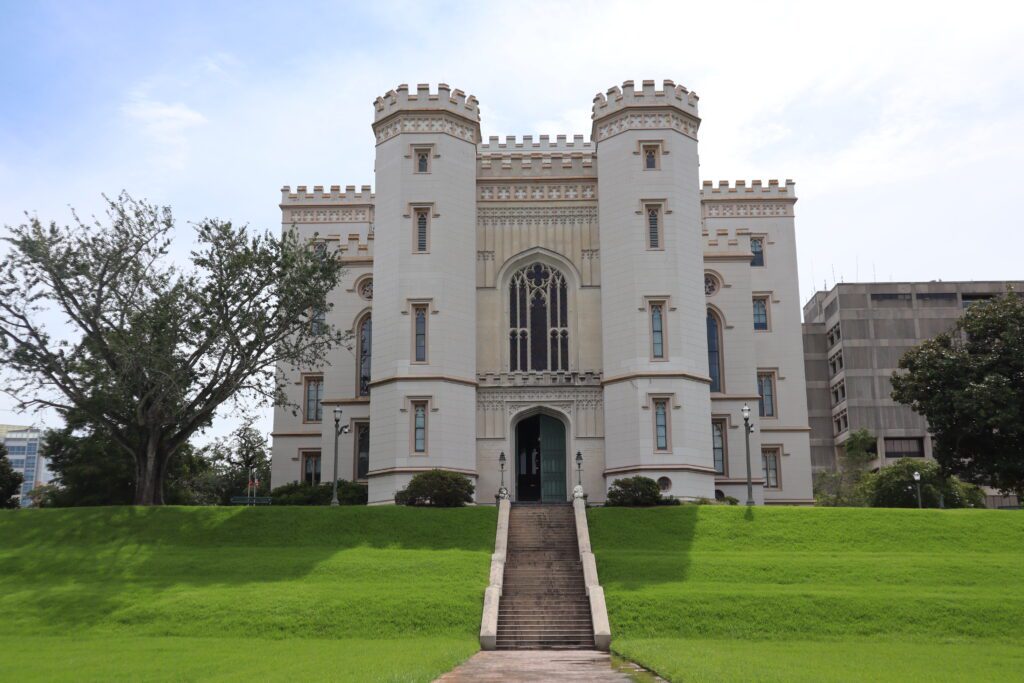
<point>530,666</point>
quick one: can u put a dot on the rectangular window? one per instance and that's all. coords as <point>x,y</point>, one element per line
<point>770,467</point>
<point>835,364</point>
<point>421,159</point>
<point>718,445</point>
<point>840,423</point>
<point>362,450</point>
<point>658,330</point>
<point>890,300</point>
<point>314,392</point>
<point>419,427</point>
<point>904,448</point>
<point>968,300</point>
<point>839,393</point>
<point>766,390</point>
<point>652,157</point>
<point>311,468</point>
<point>834,334</point>
<point>757,249</point>
<point>421,230</point>
<point>937,299</point>
<point>760,313</point>
<point>655,233</point>
<point>419,322</point>
<point>661,424</point>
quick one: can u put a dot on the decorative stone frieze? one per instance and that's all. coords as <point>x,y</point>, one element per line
<point>518,216</point>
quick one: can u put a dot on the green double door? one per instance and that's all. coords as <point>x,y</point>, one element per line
<point>552,460</point>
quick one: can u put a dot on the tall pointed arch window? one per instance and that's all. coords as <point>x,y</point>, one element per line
<point>714,351</point>
<point>364,338</point>
<point>538,337</point>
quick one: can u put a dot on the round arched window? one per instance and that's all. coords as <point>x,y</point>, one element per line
<point>664,483</point>
<point>538,311</point>
<point>365,288</point>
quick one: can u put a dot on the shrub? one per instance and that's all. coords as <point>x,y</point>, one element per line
<point>637,492</point>
<point>894,486</point>
<point>298,493</point>
<point>437,488</point>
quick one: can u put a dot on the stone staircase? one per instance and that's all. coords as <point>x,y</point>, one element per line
<point>544,602</point>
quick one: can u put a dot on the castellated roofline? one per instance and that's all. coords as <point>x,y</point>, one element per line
<point>333,195</point>
<point>740,190</point>
<point>544,144</point>
<point>445,99</point>
<point>670,95</point>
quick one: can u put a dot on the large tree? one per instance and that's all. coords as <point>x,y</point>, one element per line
<point>969,384</point>
<point>97,318</point>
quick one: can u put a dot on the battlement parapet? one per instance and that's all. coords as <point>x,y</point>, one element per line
<point>756,190</point>
<point>333,195</point>
<point>543,144</point>
<point>445,99</point>
<point>670,95</point>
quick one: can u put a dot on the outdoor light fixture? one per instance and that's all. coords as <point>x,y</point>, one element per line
<point>746,433</point>
<point>338,430</point>
<point>579,468</point>
<point>501,461</point>
<point>917,480</point>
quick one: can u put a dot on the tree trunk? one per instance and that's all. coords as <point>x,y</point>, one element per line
<point>149,482</point>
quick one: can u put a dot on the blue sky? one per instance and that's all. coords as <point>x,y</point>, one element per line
<point>899,122</point>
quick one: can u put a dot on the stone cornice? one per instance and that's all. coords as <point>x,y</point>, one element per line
<point>501,190</point>
<point>647,118</point>
<point>426,122</point>
<point>536,215</point>
<point>423,378</point>
<point>661,467</point>
<point>703,379</point>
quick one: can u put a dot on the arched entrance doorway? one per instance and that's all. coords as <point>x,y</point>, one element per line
<point>540,460</point>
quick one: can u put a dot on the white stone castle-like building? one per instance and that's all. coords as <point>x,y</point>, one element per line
<point>543,297</point>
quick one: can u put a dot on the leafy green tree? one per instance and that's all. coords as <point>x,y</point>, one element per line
<point>90,469</point>
<point>844,486</point>
<point>894,487</point>
<point>149,351</point>
<point>10,481</point>
<point>969,384</point>
<point>236,458</point>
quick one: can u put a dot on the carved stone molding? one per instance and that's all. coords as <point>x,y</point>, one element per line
<point>747,209</point>
<point>329,215</point>
<point>632,119</point>
<point>547,215</point>
<point>533,192</point>
<point>494,397</point>
<point>427,123</point>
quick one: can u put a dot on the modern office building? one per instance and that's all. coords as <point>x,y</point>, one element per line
<point>854,337</point>
<point>540,298</point>
<point>23,446</point>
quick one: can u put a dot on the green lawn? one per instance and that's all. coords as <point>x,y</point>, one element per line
<point>792,594</point>
<point>353,593</point>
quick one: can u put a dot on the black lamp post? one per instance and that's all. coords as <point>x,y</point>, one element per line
<point>746,433</point>
<point>579,468</point>
<point>337,433</point>
<point>917,480</point>
<point>501,461</point>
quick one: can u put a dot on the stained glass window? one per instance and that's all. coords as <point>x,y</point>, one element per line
<point>538,319</point>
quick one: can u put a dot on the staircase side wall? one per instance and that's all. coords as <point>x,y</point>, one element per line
<point>598,608</point>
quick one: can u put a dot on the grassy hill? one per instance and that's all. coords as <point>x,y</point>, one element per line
<point>394,594</point>
<point>792,594</point>
<point>351,593</point>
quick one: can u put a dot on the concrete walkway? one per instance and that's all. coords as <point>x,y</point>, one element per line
<point>530,666</point>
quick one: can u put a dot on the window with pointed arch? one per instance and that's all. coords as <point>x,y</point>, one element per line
<point>364,340</point>
<point>538,307</point>
<point>715,351</point>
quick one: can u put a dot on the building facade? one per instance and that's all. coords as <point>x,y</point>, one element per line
<point>540,298</point>
<point>23,445</point>
<point>854,337</point>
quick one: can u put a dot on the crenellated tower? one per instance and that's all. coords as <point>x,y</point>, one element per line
<point>423,385</point>
<point>656,395</point>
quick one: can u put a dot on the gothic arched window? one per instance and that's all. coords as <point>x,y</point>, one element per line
<point>538,337</point>
<point>364,335</point>
<point>714,351</point>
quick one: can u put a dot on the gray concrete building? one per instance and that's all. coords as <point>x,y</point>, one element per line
<point>854,336</point>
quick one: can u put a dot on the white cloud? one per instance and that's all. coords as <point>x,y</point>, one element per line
<point>166,126</point>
